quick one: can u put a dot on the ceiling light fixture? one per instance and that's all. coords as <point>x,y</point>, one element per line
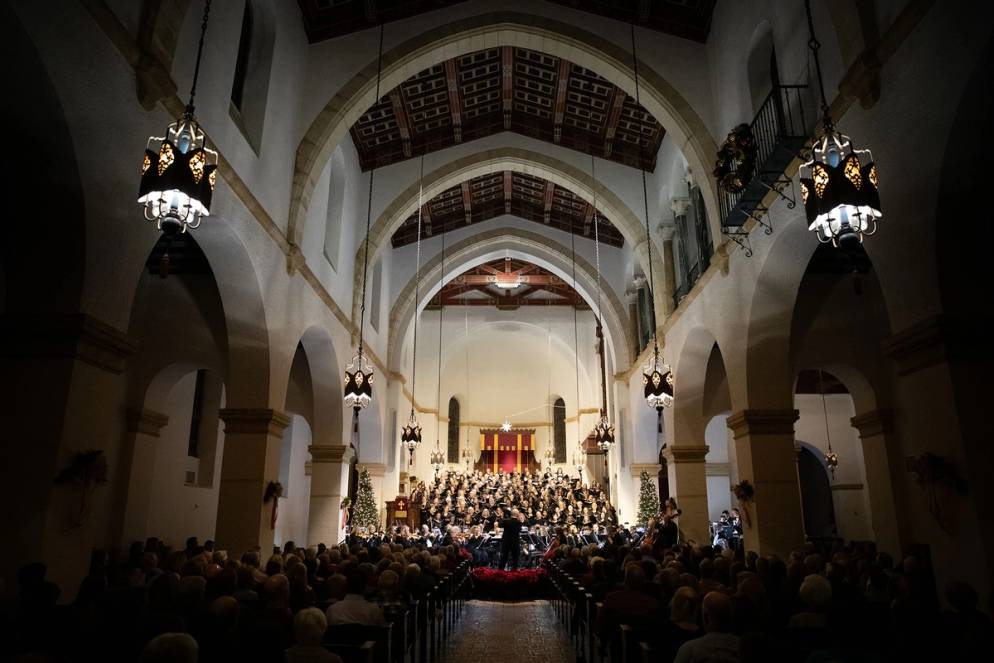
<point>179,170</point>
<point>839,182</point>
<point>359,372</point>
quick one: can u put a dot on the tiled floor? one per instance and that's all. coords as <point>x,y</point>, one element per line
<point>509,633</point>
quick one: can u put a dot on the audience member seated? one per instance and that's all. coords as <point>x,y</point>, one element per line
<point>308,631</point>
<point>354,608</point>
<point>719,643</point>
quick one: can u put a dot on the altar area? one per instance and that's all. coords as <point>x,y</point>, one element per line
<point>511,450</point>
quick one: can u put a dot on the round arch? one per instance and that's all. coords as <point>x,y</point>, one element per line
<point>326,388</point>
<point>525,245</point>
<point>467,35</point>
<point>523,161</point>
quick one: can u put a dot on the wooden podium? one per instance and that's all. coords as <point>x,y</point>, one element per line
<point>401,511</point>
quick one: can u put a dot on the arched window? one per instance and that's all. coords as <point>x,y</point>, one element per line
<point>559,429</point>
<point>250,86</point>
<point>453,446</point>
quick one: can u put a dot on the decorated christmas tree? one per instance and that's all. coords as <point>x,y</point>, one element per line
<point>648,499</point>
<point>364,512</point>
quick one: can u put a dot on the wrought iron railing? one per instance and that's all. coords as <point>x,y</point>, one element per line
<point>780,129</point>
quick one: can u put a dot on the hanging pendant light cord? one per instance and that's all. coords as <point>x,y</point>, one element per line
<point>602,360</point>
<point>645,201</point>
<point>815,45</point>
<point>369,210</point>
<point>576,340</point>
<point>441,309</point>
<point>824,409</point>
<point>200,52</point>
<point>417,288</point>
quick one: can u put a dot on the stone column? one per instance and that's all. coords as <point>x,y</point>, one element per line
<point>141,440</point>
<point>876,431</point>
<point>329,483</point>
<point>61,392</point>
<point>689,486</point>
<point>764,450</point>
<point>252,441</point>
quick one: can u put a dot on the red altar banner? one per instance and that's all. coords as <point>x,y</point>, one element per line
<point>507,451</point>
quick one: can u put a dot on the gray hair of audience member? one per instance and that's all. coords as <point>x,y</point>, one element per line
<point>309,626</point>
<point>685,605</point>
<point>718,612</point>
<point>815,592</point>
<point>170,648</point>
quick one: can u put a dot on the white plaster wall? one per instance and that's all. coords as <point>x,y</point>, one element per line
<point>176,510</point>
<point>291,520</point>
<point>716,436</point>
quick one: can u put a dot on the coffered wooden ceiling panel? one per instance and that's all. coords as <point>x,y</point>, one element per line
<point>507,89</point>
<point>507,283</point>
<point>690,19</point>
<point>507,192</point>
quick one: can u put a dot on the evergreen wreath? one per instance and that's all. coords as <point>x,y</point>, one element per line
<point>736,159</point>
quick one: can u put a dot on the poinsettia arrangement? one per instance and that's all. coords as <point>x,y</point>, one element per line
<point>526,577</point>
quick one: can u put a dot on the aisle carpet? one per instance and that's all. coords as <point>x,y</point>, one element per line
<point>494,631</point>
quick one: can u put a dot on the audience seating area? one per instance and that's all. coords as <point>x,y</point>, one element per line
<point>360,605</point>
<point>691,603</point>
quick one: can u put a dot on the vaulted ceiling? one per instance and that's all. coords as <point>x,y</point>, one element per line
<point>507,192</point>
<point>326,19</point>
<point>507,89</point>
<point>507,283</point>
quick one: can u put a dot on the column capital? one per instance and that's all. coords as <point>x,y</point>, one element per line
<point>686,454</point>
<point>873,423</point>
<point>762,422</point>
<point>329,454</point>
<point>71,336</point>
<point>651,468</point>
<point>375,469</point>
<point>666,231</point>
<point>147,422</point>
<point>679,206</point>
<point>254,420</point>
<point>308,468</point>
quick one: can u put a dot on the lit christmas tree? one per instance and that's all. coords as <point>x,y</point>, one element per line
<point>648,499</point>
<point>364,512</point>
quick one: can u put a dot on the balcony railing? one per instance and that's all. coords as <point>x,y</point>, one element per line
<point>780,129</point>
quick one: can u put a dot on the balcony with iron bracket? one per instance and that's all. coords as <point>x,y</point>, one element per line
<point>780,130</point>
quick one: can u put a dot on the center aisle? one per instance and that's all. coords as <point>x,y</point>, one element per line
<point>491,630</point>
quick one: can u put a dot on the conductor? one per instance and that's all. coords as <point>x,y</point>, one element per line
<point>510,542</point>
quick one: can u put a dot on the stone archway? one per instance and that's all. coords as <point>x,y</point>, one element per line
<point>531,246</point>
<point>515,159</point>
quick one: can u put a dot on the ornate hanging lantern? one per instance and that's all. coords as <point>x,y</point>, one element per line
<point>437,460</point>
<point>604,434</point>
<point>839,182</point>
<point>657,379</point>
<point>179,170</point>
<point>359,372</point>
<point>410,437</point>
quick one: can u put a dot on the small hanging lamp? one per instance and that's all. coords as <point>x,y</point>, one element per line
<point>179,170</point>
<point>839,182</point>
<point>657,378</point>
<point>359,372</point>
<point>410,438</point>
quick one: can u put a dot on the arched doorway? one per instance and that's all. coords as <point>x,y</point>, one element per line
<point>816,496</point>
